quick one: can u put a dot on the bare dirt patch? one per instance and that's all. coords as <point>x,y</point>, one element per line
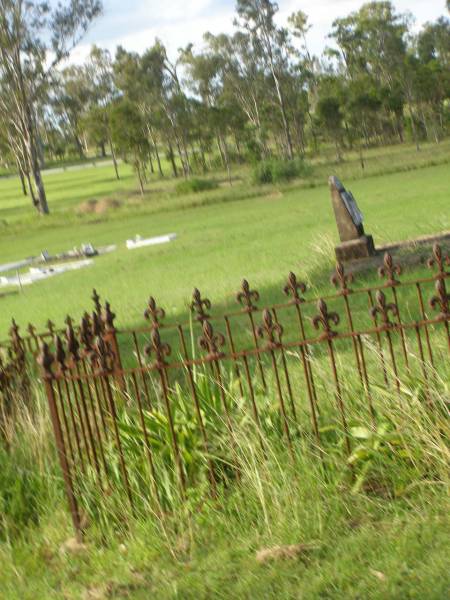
<point>98,207</point>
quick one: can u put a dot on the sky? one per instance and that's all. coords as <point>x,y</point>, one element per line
<point>135,23</point>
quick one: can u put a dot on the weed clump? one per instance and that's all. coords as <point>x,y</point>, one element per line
<point>276,170</point>
<point>195,185</point>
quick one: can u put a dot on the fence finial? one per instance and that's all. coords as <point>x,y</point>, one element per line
<point>158,348</point>
<point>97,325</point>
<point>294,288</point>
<point>341,279</point>
<point>211,341</point>
<point>246,296</point>
<point>270,330</point>
<point>324,319</point>
<point>383,308</point>
<point>199,304</point>
<point>46,360</point>
<point>50,327</point>
<point>154,313</point>
<point>60,354</point>
<point>389,270</point>
<point>86,334</point>
<point>96,300</point>
<point>439,259</point>
<point>102,356</point>
<point>108,317</point>
<point>442,300</point>
<point>73,346</point>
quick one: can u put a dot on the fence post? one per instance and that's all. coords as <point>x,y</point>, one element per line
<point>111,338</point>
<point>45,361</point>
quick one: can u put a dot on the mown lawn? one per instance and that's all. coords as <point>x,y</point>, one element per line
<point>386,540</point>
<point>258,232</point>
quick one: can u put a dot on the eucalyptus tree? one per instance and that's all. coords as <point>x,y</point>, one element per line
<point>308,67</point>
<point>242,75</point>
<point>162,84</point>
<point>129,136</point>
<point>203,78</point>
<point>34,38</point>
<point>374,41</point>
<point>103,91</point>
<point>70,99</point>
<point>257,17</point>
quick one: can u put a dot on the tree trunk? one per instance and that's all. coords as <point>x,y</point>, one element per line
<point>202,157</point>
<point>152,168</point>
<point>158,161</point>
<point>287,132</point>
<point>223,143</point>
<point>180,154</point>
<point>79,146</point>
<point>413,126</point>
<point>139,174</point>
<point>172,160</point>
<point>113,155</point>
<point>30,145</point>
<point>22,179</point>
<point>40,202</point>
<point>153,139</point>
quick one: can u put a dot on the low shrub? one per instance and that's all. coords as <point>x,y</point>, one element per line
<point>195,185</point>
<point>276,170</point>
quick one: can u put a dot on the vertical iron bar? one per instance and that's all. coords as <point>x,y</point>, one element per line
<point>68,483</point>
<point>286,373</point>
<point>425,318</point>
<point>198,411</point>
<point>380,344</point>
<point>258,358</point>
<point>339,399</point>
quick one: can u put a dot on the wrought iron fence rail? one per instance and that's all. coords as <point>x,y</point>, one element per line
<point>94,396</point>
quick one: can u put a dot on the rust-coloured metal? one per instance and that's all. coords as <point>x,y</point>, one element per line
<point>199,306</point>
<point>246,297</point>
<point>277,356</point>
<point>341,280</point>
<point>154,313</point>
<point>271,332</point>
<point>389,270</point>
<point>160,350</point>
<point>46,360</point>
<point>324,320</point>
<point>382,309</point>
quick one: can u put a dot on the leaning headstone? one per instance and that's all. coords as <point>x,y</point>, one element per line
<point>355,243</point>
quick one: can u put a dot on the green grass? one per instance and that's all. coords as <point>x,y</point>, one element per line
<point>389,540</point>
<point>367,544</point>
<point>223,235</point>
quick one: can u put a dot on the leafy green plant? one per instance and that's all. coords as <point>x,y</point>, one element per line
<point>372,444</point>
<point>195,185</point>
<point>277,171</point>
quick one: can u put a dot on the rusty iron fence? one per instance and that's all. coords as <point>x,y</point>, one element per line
<point>146,414</point>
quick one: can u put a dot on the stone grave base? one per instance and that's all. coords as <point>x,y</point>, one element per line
<point>409,252</point>
<point>362,247</point>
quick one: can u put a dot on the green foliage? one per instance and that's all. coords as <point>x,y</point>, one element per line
<point>195,185</point>
<point>23,491</point>
<point>277,171</point>
<point>127,129</point>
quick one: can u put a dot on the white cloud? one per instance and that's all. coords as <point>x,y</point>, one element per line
<point>135,23</point>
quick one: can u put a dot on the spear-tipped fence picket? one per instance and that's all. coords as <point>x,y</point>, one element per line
<point>152,412</point>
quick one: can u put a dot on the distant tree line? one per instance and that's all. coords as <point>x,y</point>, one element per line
<point>248,96</point>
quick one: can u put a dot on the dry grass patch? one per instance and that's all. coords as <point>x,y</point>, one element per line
<point>98,207</point>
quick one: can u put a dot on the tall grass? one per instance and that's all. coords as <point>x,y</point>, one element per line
<point>391,490</point>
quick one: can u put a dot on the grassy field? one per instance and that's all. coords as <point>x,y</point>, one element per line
<point>386,541</point>
<point>223,235</point>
